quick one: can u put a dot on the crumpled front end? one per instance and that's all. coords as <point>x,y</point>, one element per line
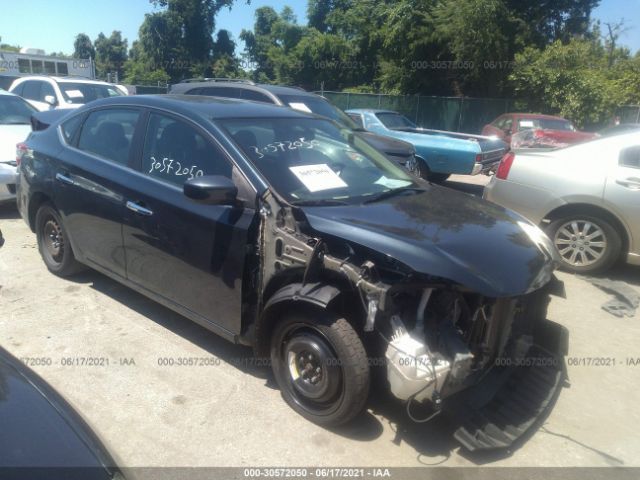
<point>496,363</point>
<point>446,345</point>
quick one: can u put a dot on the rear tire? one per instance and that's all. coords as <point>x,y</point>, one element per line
<point>53,242</point>
<point>321,366</point>
<point>586,244</point>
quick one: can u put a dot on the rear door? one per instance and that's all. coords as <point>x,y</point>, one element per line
<point>622,192</point>
<point>90,182</point>
<point>189,255</point>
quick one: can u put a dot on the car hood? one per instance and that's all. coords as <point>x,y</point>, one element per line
<point>448,235</point>
<point>388,145</point>
<point>10,135</point>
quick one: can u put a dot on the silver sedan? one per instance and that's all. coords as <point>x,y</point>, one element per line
<point>586,197</point>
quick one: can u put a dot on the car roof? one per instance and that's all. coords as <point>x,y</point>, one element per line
<point>274,89</point>
<point>536,115</point>
<point>61,79</point>
<point>206,106</point>
<point>369,110</point>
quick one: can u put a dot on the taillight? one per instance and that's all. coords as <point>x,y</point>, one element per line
<point>21,150</point>
<point>505,165</point>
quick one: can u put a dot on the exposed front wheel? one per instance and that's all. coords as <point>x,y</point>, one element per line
<point>585,244</point>
<point>53,242</point>
<point>321,367</point>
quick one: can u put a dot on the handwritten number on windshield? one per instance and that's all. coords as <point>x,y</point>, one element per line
<point>275,147</point>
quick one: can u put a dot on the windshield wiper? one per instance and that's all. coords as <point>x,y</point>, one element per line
<point>393,193</point>
<point>320,202</point>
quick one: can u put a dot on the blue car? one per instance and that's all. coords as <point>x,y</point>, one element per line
<point>438,153</point>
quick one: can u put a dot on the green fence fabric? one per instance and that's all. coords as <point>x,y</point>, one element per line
<point>458,114</point>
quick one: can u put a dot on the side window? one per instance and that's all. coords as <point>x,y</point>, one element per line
<point>356,118</point>
<point>255,96</point>
<point>194,91</point>
<point>630,157</point>
<point>31,90</point>
<point>70,128</point>
<point>174,151</point>
<point>18,90</point>
<point>508,123</point>
<point>46,89</point>
<point>498,122</point>
<point>109,132</point>
<point>220,92</point>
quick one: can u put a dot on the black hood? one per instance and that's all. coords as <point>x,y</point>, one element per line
<point>388,145</point>
<point>449,235</point>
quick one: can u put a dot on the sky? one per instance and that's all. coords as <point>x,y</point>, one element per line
<point>53,24</point>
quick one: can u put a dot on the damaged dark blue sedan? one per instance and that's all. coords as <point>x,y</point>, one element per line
<point>285,231</point>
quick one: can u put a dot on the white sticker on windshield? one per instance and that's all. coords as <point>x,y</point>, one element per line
<point>74,93</point>
<point>392,182</point>
<point>300,106</point>
<point>526,123</point>
<point>317,177</point>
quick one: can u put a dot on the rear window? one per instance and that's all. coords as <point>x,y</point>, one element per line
<point>14,110</point>
<point>630,157</point>
<point>545,123</point>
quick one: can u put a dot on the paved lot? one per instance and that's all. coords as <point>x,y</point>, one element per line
<point>230,413</point>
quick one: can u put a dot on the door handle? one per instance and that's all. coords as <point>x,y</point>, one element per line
<point>134,207</point>
<point>64,179</point>
<point>633,183</point>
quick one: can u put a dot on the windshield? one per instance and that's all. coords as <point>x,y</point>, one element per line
<point>82,93</point>
<point>15,111</point>
<point>546,124</point>
<point>395,120</point>
<point>307,160</point>
<point>319,106</point>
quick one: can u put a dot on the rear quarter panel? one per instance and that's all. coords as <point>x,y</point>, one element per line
<point>538,183</point>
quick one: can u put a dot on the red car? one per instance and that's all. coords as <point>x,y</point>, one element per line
<point>535,130</point>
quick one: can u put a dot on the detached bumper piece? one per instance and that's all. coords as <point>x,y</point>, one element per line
<point>519,403</point>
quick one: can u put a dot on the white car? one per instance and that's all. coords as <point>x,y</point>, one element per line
<point>15,126</point>
<point>48,93</point>
<point>586,197</point>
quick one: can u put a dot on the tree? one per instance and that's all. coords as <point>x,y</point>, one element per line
<point>572,80</point>
<point>82,47</point>
<point>111,53</point>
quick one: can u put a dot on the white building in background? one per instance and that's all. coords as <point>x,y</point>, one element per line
<point>33,61</point>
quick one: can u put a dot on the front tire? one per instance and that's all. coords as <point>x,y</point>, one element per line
<point>53,242</point>
<point>321,367</point>
<point>585,244</point>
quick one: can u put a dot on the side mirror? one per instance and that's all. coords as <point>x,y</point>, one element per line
<point>211,190</point>
<point>51,100</point>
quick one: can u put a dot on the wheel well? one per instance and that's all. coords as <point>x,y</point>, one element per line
<point>36,200</point>
<point>594,211</point>
<point>343,304</point>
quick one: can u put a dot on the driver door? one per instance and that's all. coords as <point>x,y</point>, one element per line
<point>190,256</point>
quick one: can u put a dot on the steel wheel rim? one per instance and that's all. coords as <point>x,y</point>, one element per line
<point>316,383</point>
<point>580,243</point>
<point>53,239</point>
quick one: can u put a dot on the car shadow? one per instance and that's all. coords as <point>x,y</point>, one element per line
<point>9,211</point>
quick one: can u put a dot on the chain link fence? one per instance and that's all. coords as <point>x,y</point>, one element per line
<point>457,114</point>
<point>629,114</point>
